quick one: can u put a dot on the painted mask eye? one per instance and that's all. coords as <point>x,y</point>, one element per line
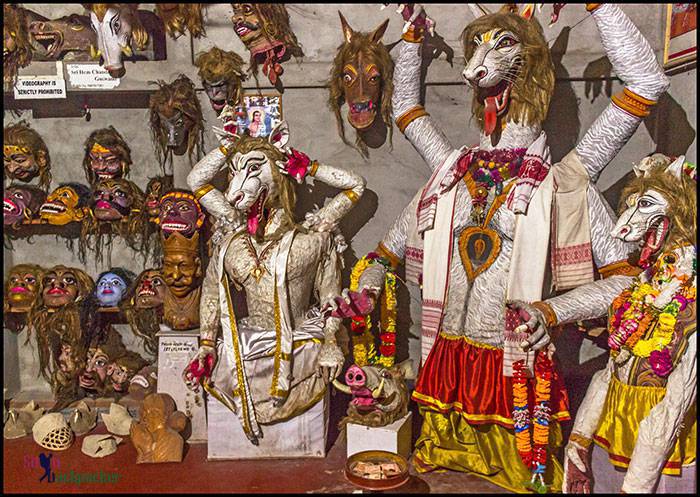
<point>69,280</point>
<point>347,78</point>
<point>644,203</point>
<point>30,279</point>
<point>374,79</point>
<point>506,42</point>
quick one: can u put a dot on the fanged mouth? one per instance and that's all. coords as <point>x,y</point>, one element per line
<point>218,105</point>
<point>50,41</point>
<point>174,227</point>
<point>362,399</point>
<point>655,235</point>
<point>146,292</point>
<point>362,114</point>
<point>52,208</point>
<point>106,175</point>
<point>10,207</point>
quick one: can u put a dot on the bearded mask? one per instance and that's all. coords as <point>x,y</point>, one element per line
<point>221,74</point>
<point>25,155</point>
<point>264,29</point>
<point>182,266</point>
<point>107,155</point>
<point>22,287</point>
<point>180,212</point>
<point>65,38</point>
<point>156,188</point>
<point>122,370</point>
<point>113,200</point>
<point>63,285</point>
<point>67,203</point>
<point>22,203</point>
<point>112,286</point>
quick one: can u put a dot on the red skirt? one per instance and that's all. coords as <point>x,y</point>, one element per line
<point>468,378</point>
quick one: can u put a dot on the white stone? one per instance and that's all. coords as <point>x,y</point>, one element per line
<point>302,436</point>
<point>395,437</point>
<point>175,349</point>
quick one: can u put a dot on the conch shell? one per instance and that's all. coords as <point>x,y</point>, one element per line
<point>117,420</point>
<point>21,421</point>
<point>83,419</point>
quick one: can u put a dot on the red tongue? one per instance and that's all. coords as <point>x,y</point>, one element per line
<point>253,216</point>
<point>490,115</point>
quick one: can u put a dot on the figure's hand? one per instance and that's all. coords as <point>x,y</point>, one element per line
<point>296,166</point>
<point>350,304</point>
<point>330,362</point>
<point>535,324</point>
<point>314,222</point>
<point>577,469</point>
<point>200,367</point>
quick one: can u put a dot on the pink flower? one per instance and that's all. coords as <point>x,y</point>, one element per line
<point>661,362</point>
<point>297,165</point>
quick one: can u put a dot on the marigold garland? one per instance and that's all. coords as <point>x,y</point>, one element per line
<point>533,451</point>
<point>364,351</point>
<point>635,312</point>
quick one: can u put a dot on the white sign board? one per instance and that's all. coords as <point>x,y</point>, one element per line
<point>90,77</point>
<point>40,87</point>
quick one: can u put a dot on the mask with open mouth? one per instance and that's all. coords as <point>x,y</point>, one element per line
<point>222,74</point>
<point>67,203</point>
<point>22,287</point>
<point>143,307</point>
<point>149,290</point>
<point>107,155</point>
<point>22,203</point>
<point>509,69</point>
<point>66,38</point>
<point>265,31</point>
<point>25,155</point>
<point>112,200</point>
<point>180,212</point>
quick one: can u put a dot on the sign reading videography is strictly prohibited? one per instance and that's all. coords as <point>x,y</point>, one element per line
<point>40,87</point>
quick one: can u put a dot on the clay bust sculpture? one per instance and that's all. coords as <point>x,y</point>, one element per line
<point>22,204</point>
<point>361,76</point>
<point>117,26</point>
<point>68,203</point>
<point>107,156</point>
<point>25,155</point>
<point>265,31</point>
<point>180,212</point>
<point>179,17</point>
<point>155,189</point>
<point>156,436</point>
<point>222,75</point>
<point>177,125</point>
<point>112,285</point>
<point>182,272</point>
<point>281,266</point>
<point>635,430</point>
<point>143,307</point>
<point>17,50</point>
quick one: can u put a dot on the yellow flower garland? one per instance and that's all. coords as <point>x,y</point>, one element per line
<point>363,349</point>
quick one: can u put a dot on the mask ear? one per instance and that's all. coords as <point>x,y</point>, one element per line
<point>527,11</point>
<point>379,32</point>
<point>279,136</point>
<point>347,30</point>
<point>676,167</point>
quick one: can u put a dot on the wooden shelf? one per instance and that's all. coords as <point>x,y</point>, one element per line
<point>39,227</point>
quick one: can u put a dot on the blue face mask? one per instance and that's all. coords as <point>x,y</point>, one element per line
<point>110,290</point>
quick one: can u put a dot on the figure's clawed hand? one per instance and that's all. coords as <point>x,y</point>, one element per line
<point>330,362</point>
<point>350,304</point>
<point>200,368</point>
<point>535,324</point>
<point>577,470</point>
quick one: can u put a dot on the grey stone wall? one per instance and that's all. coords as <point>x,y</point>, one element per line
<point>393,174</point>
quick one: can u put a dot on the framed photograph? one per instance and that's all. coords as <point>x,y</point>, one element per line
<point>259,114</point>
<point>680,40</point>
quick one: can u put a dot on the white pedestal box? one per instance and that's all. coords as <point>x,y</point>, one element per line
<point>395,437</point>
<point>302,436</point>
<point>175,348</point>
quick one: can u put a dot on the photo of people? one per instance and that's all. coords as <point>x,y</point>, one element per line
<point>259,114</point>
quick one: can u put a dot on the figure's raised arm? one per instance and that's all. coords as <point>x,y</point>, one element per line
<point>410,116</point>
<point>634,62</point>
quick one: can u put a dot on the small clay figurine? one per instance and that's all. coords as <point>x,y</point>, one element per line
<point>156,436</point>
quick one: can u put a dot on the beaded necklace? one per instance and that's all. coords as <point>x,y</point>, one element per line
<point>491,169</point>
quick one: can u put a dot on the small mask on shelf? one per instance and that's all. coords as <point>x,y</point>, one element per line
<point>155,189</point>
<point>107,155</point>
<point>22,203</point>
<point>66,204</point>
<point>25,155</point>
<point>112,285</point>
<point>22,287</point>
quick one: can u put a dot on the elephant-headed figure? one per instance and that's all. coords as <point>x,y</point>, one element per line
<point>379,394</point>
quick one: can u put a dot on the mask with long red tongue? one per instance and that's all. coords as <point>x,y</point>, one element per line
<point>256,212</point>
<point>653,239</point>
